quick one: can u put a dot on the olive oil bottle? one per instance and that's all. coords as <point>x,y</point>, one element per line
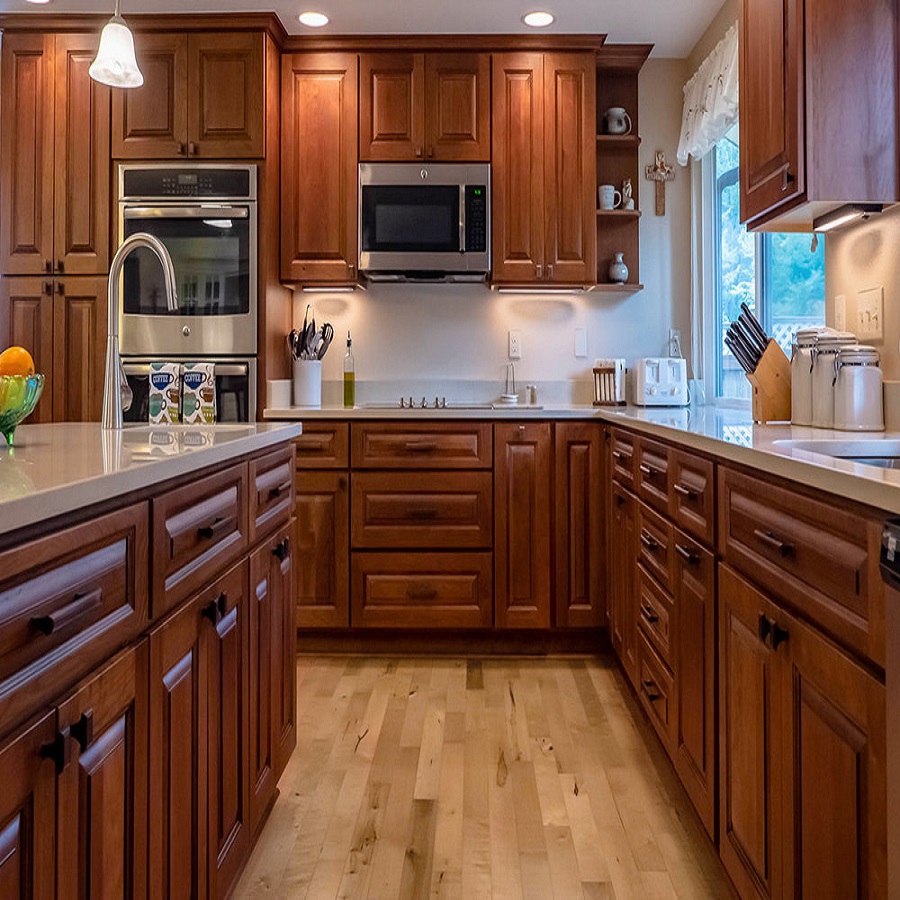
<point>349,376</point>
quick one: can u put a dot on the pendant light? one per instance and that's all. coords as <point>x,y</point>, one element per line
<point>115,64</point>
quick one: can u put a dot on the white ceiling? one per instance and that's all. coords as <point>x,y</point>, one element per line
<point>674,26</point>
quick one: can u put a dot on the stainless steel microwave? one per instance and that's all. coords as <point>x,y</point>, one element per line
<point>428,221</point>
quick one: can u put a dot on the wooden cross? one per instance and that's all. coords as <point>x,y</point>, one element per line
<point>660,172</point>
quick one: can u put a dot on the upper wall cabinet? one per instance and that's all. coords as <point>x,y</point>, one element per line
<point>54,157</point>
<point>818,126</point>
<point>425,106</point>
<point>204,96</point>
<point>544,164</point>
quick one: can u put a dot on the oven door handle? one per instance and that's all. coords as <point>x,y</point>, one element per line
<point>217,211</point>
<point>462,218</point>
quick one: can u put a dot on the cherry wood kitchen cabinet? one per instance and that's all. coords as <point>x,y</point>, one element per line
<point>580,518</point>
<point>54,157</point>
<point>622,550</point>
<point>204,96</point>
<point>415,106</point>
<point>522,525</point>
<point>543,168</point>
<point>319,127</point>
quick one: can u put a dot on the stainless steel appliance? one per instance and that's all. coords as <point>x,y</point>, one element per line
<point>425,222</point>
<point>206,216</point>
<point>235,387</point>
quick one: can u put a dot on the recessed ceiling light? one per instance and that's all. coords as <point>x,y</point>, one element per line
<point>313,19</point>
<point>538,19</point>
<point>37,1</point>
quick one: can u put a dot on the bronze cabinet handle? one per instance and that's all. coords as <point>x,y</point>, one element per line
<point>217,526</point>
<point>48,288</point>
<point>688,555</point>
<point>773,542</point>
<point>80,605</point>
<point>650,471</point>
<point>281,549</point>
<point>83,730</point>
<point>648,688</point>
<point>279,489</point>
<point>192,148</point>
<point>684,491</point>
<point>180,148</point>
<point>648,613</point>
<point>648,540</point>
<point>786,179</point>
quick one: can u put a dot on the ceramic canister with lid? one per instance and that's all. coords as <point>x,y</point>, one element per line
<point>824,354</point>
<point>801,374</point>
<point>858,396</point>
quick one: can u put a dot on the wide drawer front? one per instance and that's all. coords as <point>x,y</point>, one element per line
<point>621,457</point>
<point>652,474</point>
<point>693,500</point>
<point>656,545</point>
<point>323,445</point>
<point>656,689</point>
<point>406,510</point>
<point>198,529</point>
<point>422,590</point>
<point>819,557</point>
<point>391,446</point>
<point>271,491</point>
<point>656,615</point>
<point>66,602</point>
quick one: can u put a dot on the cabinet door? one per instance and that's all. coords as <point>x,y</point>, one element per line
<point>178,754</point>
<point>835,794</point>
<point>27,310</point>
<point>319,167</point>
<point>79,348</point>
<point>81,161</point>
<point>391,106</point>
<point>517,177</point>
<point>226,657</point>
<point>522,525</point>
<point>26,154</point>
<point>458,106</point>
<point>150,122</point>
<point>570,160</point>
<point>322,533</point>
<point>227,100</point>
<point>580,506</point>
<point>751,741</point>
<point>28,813</point>
<point>624,588</point>
<point>772,105</point>
<point>102,793</point>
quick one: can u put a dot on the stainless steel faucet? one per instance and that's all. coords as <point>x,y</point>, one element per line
<point>114,379</point>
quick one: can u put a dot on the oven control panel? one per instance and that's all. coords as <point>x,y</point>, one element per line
<point>152,182</point>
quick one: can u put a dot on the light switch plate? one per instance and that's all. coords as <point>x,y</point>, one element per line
<point>580,343</point>
<point>870,314</point>
<point>840,312</point>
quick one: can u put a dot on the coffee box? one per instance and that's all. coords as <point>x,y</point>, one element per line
<point>165,393</point>
<point>198,402</point>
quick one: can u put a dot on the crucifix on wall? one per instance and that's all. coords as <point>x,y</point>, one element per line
<point>660,172</point>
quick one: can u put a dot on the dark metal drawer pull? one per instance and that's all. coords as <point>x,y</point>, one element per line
<point>648,541</point>
<point>420,447</point>
<point>58,751</point>
<point>215,610</point>
<point>774,543</point>
<point>684,491</point>
<point>280,550</point>
<point>649,686</point>
<point>648,613</point>
<point>421,592</point>
<point>83,730</point>
<point>651,472</point>
<point>279,489</point>
<point>779,635</point>
<point>422,512</point>
<point>81,605</point>
<point>688,555</point>
<point>219,524</point>
<point>618,456</point>
<point>764,626</point>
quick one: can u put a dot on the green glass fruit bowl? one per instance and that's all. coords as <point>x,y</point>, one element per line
<point>19,395</point>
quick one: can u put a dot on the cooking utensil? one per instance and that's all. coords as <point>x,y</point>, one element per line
<point>753,322</point>
<point>308,338</point>
<point>327,338</point>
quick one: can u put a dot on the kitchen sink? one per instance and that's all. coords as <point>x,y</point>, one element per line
<point>884,453</point>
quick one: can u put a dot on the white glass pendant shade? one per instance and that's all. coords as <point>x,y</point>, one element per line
<point>115,64</point>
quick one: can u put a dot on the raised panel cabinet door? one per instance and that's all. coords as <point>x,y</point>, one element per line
<point>580,506</point>
<point>391,106</point>
<point>81,161</point>
<point>319,127</point>
<point>28,812</point>
<point>322,540</point>
<point>102,793</point>
<point>570,161</point>
<point>227,99</point>
<point>517,168</point>
<point>79,348</point>
<point>751,740</point>
<point>151,122</point>
<point>458,106</point>
<point>26,320</point>
<point>624,584</point>
<point>772,105</point>
<point>522,525</point>
<point>26,154</point>
<point>835,774</point>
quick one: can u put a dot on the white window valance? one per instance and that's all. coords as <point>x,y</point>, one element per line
<point>710,100</point>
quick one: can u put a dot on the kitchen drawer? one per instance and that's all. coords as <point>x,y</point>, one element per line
<point>271,491</point>
<point>656,549</point>
<point>656,689</point>
<point>67,601</point>
<point>656,614</point>
<point>418,510</point>
<point>423,446</point>
<point>693,500</point>
<point>421,590</point>
<point>621,457</point>
<point>651,474</point>
<point>323,445</point>
<point>819,556</point>
<point>198,529</point>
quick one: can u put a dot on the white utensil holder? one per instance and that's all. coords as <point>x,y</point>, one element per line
<point>308,382</point>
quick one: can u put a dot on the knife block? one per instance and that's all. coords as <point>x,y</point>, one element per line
<point>771,383</point>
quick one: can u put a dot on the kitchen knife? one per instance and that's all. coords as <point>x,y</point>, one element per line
<point>738,354</point>
<point>749,335</point>
<point>750,354</point>
<point>758,330</point>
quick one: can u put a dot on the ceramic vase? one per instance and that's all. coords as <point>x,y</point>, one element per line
<point>618,271</point>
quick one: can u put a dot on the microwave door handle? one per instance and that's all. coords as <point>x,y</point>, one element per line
<point>462,218</point>
<point>232,369</point>
<point>186,212</point>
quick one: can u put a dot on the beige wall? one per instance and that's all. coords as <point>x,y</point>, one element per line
<point>725,18</point>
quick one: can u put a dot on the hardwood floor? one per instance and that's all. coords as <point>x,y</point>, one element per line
<point>474,778</point>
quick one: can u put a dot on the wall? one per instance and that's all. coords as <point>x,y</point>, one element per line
<point>725,18</point>
<point>404,333</point>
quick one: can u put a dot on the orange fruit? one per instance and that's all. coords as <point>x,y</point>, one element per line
<point>16,361</point>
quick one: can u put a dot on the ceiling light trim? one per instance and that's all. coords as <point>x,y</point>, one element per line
<point>538,18</point>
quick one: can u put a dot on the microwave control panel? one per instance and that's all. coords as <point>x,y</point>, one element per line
<point>476,218</point>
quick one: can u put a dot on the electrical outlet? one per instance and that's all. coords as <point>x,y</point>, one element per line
<point>870,314</point>
<point>580,343</point>
<point>515,344</point>
<point>840,312</point>
<point>674,342</point>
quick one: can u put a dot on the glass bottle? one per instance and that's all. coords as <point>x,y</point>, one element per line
<point>349,376</point>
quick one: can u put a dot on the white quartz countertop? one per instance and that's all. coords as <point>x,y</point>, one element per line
<point>56,469</point>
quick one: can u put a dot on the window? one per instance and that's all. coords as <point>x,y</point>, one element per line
<point>776,275</point>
